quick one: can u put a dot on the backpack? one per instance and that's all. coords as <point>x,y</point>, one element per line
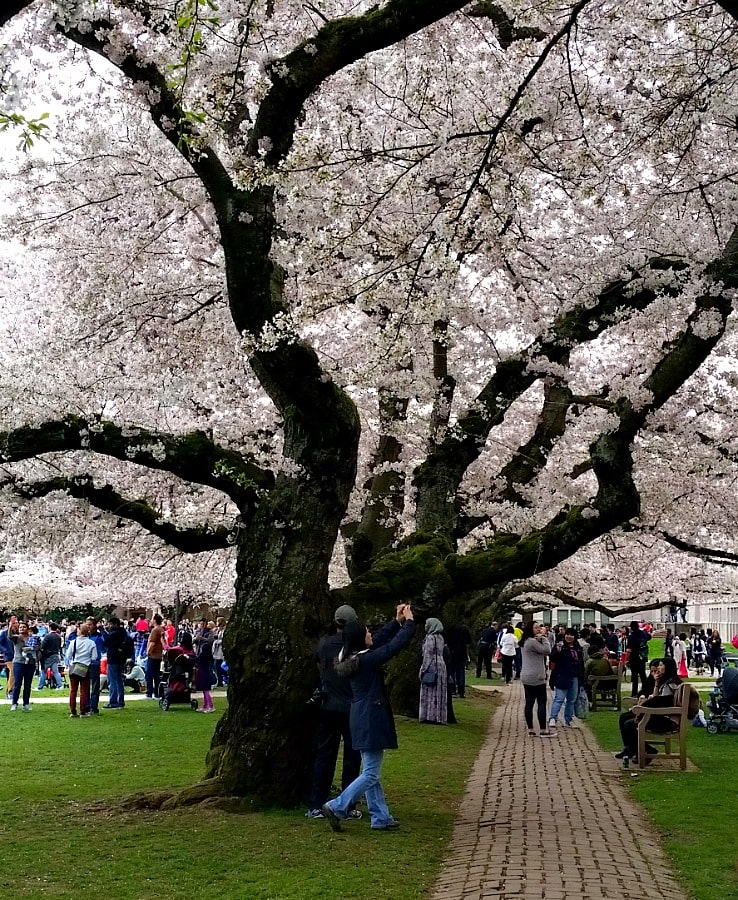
<point>643,649</point>
<point>694,702</point>
<point>127,647</point>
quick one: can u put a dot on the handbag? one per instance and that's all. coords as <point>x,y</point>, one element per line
<point>581,704</point>
<point>429,678</point>
<point>79,670</point>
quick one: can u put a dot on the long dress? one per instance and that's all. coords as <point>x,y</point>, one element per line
<point>434,697</point>
<point>680,658</point>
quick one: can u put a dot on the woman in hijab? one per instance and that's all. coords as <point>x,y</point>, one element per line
<point>433,676</point>
<point>372,724</point>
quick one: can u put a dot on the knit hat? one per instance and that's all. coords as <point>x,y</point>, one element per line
<point>345,614</point>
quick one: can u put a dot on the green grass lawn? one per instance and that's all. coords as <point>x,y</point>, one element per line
<point>54,846</point>
<point>693,811</point>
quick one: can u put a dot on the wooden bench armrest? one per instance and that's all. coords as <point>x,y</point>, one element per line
<point>649,711</point>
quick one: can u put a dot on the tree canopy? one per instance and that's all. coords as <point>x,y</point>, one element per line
<point>442,288</point>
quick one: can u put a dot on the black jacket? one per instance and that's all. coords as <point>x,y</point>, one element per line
<point>336,688</point>
<point>119,646</point>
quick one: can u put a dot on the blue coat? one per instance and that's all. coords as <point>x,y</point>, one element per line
<point>371,720</point>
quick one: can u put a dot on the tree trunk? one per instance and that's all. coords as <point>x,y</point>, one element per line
<point>260,748</point>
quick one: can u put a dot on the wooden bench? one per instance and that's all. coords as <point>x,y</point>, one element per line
<point>606,690</point>
<point>678,714</point>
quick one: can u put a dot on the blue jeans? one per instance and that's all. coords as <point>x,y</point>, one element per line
<point>115,685</point>
<point>565,694</point>
<point>153,676</point>
<point>94,701</point>
<point>367,783</point>
<point>54,666</point>
<point>23,675</point>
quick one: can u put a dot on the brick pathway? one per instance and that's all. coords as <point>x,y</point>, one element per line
<point>549,819</point>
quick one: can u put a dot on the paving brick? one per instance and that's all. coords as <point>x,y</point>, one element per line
<point>530,826</point>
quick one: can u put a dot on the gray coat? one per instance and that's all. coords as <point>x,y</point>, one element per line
<point>534,669</point>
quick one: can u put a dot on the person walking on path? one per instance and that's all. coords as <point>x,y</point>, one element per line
<point>534,649</point>
<point>508,649</point>
<point>333,720</point>
<point>433,676</point>
<point>568,676</point>
<point>372,724</point>
<point>486,646</point>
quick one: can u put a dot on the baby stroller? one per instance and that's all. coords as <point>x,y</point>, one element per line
<point>176,686</point>
<point>724,704</point>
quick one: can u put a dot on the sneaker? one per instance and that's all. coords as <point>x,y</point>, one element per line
<point>73,716</point>
<point>332,818</point>
<point>548,734</point>
<point>552,723</point>
<point>84,715</point>
<point>354,814</point>
<point>314,814</point>
<point>26,707</point>
<point>13,707</point>
<point>621,755</point>
<point>571,724</point>
<point>390,826</point>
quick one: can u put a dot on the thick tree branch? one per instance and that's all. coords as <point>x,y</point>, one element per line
<point>192,457</point>
<point>107,499</point>
<point>531,457</point>
<point>507,557</point>
<point>438,478</point>
<point>708,554</point>
<point>11,8</point>
<point>336,45</point>
<point>626,605</point>
<point>507,31</point>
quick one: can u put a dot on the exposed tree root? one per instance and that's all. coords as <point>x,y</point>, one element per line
<point>210,794</point>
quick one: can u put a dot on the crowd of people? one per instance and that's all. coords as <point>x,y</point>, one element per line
<point>702,649</point>
<point>354,705</point>
<point>91,656</point>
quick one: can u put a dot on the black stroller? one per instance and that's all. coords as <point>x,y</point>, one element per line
<point>724,704</point>
<point>176,683</point>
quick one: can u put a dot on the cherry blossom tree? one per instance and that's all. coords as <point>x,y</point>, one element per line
<point>453,281</point>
